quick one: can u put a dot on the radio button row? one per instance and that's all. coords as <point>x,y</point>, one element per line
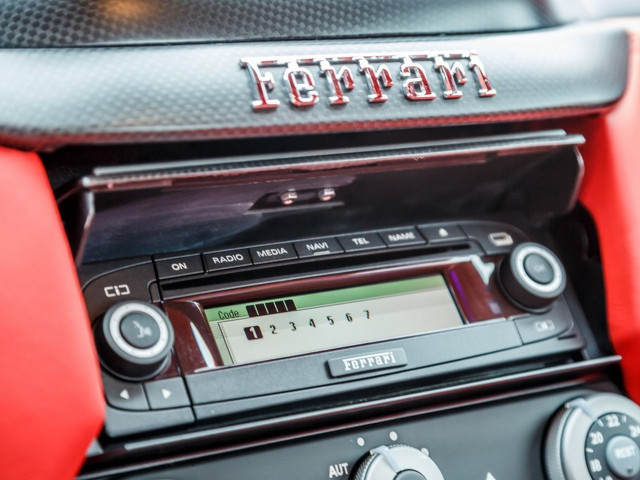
<point>178,266</point>
<point>402,237</point>
<point>167,393</point>
<point>320,246</point>
<point>227,259</point>
<point>360,242</point>
<point>437,234</point>
<point>278,252</point>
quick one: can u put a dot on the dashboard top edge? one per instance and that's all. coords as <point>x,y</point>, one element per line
<point>199,92</point>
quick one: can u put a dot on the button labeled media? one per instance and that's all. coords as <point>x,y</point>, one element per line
<point>273,253</point>
<point>227,259</point>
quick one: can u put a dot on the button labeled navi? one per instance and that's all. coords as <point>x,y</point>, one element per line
<point>273,253</point>
<point>227,259</point>
<point>321,246</point>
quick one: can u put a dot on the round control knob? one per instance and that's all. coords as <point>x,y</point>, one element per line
<point>397,462</point>
<point>597,437</point>
<point>134,340</point>
<point>532,276</point>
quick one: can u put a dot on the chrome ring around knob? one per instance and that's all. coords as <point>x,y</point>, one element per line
<point>521,286</point>
<point>129,359</point>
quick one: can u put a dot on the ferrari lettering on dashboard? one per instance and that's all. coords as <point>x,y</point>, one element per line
<point>340,74</point>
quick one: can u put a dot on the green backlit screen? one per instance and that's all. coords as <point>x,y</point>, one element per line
<point>282,327</point>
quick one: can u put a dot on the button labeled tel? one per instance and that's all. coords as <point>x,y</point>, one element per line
<point>361,242</point>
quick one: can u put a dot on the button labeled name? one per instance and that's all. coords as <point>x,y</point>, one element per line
<point>402,237</point>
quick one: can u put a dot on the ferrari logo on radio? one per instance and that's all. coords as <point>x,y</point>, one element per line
<point>306,79</point>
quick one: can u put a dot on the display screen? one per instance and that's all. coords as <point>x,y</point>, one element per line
<point>281,327</point>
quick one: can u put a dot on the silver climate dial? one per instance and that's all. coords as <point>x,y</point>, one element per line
<point>596,438</point>
<point>398,462</point>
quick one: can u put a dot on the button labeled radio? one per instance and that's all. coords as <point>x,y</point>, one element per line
<point>227,259</point>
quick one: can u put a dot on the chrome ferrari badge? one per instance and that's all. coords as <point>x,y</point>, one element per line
<point>341,74</point>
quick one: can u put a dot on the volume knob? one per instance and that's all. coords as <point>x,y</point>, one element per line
<point>134,340</point>
<point>532,276</point>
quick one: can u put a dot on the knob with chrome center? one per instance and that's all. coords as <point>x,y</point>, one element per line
<point>596,438</point>
<point>532,276</point>
<point>134,340</point>
<point>397,462</point>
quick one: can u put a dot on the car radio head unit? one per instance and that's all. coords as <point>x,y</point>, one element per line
<point>343,321</point>
<point>250,307</point>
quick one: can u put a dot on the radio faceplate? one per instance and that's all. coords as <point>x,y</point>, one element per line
<point>436,311</point>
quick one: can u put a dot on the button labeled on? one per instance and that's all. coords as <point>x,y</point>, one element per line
<point>273,253</point>
<point>320,246</point>
<point>178,266</point>
<point>402,237</point>
<point>227,259</point>
<point>361,241</point>
<point>168,393</point>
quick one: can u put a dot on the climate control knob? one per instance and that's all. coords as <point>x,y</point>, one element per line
<point>397,462</point>
<point>594,438</point>
<point>134,340</point>
<point>532,276</point>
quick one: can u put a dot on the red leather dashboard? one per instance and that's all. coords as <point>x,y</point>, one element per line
<point>611,192</point>
<point>51,398</point>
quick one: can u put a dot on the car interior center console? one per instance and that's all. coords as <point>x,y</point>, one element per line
<point>365,313</point>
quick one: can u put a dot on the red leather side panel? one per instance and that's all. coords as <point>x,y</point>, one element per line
<point>611,192</point>
<point>51,401</point>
